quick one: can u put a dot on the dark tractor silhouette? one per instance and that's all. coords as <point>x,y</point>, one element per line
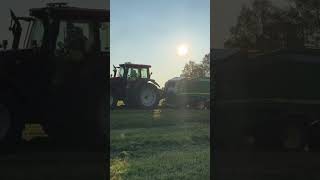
<point>56,76</point>
<point>131,83</point>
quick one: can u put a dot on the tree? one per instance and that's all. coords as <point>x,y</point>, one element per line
<point>252,22</point>
<point>193,70</point>
<point>265,26</point>
<point>206,64</point>
<point>197,70</point>
<point>245,32</point>
<point>307,13</point>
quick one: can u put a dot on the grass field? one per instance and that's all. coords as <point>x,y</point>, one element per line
<point>160,144</point>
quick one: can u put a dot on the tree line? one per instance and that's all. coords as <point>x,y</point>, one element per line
<point>197,70</point>
<point>262,24</point>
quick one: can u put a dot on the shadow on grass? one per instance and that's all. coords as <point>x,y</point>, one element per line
<point>124,119</point>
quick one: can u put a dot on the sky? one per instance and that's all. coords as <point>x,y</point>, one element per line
<point>149,32</point>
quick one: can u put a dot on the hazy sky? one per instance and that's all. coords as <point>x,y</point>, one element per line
<point>149,32</point>
<point>21,8</point>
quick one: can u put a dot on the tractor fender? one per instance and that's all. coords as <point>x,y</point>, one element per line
<point>160,91</point>
<point>154,82</point>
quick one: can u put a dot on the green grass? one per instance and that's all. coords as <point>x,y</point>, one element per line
<point>160,144</point>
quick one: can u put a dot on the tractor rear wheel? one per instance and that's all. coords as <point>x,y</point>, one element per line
<point>148,96</point>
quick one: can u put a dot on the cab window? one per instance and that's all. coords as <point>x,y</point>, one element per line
<point>120,72</point>
<point>104,37</point>
<point>133,73</point>
<point>144,73</point>
<point>75,36</point>
<point>36,34</point>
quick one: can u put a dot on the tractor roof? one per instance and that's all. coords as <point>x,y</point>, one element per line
<point>135,65</point>
<point>63,11</point>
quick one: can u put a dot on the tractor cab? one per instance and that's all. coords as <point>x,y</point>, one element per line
<point>57,27</point>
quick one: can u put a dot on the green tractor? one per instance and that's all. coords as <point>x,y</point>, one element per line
<point>131,83</point>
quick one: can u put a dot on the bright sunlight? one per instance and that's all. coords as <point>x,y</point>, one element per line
<point>182,50</point>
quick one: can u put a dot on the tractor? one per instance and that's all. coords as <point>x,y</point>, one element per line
<point>56,76</point>
<point>131,83</point>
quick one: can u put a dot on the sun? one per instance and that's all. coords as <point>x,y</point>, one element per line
<point>182,50</point>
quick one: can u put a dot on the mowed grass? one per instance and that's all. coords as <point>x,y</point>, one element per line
<point>160,144</point>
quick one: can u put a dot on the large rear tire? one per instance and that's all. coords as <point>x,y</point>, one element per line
<point>148,96</point>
